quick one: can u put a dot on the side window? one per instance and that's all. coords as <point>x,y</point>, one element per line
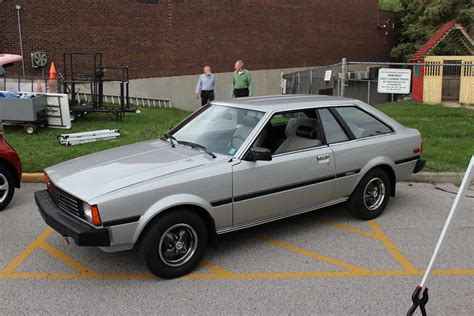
<point>361,123</point>
<point>333,131</point>
<point>290,131</point>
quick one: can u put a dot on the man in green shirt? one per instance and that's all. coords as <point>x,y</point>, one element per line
<point>242,81</point>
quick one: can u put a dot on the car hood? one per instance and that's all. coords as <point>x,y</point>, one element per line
<point>94,175</point>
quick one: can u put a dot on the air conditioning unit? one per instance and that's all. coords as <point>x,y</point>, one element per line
<point>38,59</point>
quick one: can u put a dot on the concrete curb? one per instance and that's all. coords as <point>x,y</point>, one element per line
<point>32,178</point>
<point>430,177</point>
<point>437,177</point>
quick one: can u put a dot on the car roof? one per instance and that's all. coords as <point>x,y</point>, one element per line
<point>285,102</point>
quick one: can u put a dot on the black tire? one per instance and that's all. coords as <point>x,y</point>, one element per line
<point>371,195</point>
<point>73,116</point>
<point>175,261</point>
<point>31,128</point>
<point>6,178</point>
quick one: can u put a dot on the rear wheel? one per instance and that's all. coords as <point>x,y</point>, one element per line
<point>371,196</point>
<point>7,187</point>
<point>175,244</point>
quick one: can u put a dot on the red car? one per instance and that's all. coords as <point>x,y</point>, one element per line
<point>10,171</point>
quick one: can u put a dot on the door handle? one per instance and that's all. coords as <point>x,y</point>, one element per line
<point>323,157</point>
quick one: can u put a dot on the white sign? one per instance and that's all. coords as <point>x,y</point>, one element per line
<point>394,81</point>
<point>328,75</point>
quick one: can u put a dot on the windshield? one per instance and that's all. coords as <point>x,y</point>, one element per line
<point>220,129</point>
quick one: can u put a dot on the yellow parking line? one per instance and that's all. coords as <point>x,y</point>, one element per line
<point>66,259</point>
<point>351,229</point>
<point>246,276</point>
<point>219,272</point>
<point>453,272</point>
<point>390,246</point>
<point>15,263</point>
<point>378,234</point>
<point>316,256</point>
<point>215,268</point>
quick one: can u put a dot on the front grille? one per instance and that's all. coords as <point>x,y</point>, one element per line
<point>66,201</point>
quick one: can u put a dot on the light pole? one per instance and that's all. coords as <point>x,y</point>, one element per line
<point>18,8</point>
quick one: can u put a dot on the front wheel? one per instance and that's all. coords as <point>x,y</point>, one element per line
<point>7,187</point>
<point>371,196</point>
<point>175,244</point>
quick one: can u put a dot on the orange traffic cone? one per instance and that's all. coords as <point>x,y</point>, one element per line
<point>52,72</point>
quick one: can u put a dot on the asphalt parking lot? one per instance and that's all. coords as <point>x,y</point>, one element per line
<point>323,262</point>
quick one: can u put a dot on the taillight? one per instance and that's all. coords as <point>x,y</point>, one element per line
<point>418,150</point>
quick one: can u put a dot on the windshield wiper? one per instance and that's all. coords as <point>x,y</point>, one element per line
<point>197,146</point>
<point>170,138</point>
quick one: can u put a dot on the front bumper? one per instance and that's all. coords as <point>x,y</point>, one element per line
<point>420,164</point>
<point>67,225</point>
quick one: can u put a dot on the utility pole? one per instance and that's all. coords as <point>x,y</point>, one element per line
<point>18,8</point>
<point>344,76</point>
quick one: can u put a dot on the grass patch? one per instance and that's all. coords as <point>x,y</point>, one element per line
<point>448,133</point>
<point>41,150</point>
<point>390,5</point>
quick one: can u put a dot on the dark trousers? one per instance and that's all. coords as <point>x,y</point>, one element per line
<point>238,93</point>
<point>206,96</point>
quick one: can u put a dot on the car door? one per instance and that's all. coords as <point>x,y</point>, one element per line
<point>291,182</point>
<point>355,137</point>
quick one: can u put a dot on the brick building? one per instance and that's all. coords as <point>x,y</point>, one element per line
<point>163,38</point>
<point>175,37</point>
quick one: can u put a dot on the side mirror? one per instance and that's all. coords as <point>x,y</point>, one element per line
<point>2,71</point>
<point>259,153</point>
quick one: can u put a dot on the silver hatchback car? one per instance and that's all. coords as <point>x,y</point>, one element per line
<point>228,166</point>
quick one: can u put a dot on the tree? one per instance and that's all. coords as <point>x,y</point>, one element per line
<point>421,18</point>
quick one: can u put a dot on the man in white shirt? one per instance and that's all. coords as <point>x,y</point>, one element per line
<point>206,86</point>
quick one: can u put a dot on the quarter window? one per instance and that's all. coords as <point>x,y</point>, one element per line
<point>333,131</point>
<point>361,123</point>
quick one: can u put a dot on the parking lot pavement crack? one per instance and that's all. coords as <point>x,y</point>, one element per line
<point>317,256</point>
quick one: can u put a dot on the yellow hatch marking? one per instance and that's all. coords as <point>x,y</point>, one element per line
<point>218,272</point>
<point>377,233</point>
<point>315,255</point>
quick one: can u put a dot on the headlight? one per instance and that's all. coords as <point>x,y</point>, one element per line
<point>91,213</point>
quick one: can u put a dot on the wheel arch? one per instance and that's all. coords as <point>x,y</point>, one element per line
<point>201,211</point>
<point>12,170</point>
<point>391,175</point>
<point>386,165</point>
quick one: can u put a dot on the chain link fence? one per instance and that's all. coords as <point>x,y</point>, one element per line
<point>445,80</point>
<point>436,97</point>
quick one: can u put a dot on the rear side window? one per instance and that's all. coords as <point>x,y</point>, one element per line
<point>333,131</point>
<point>361,123</point>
